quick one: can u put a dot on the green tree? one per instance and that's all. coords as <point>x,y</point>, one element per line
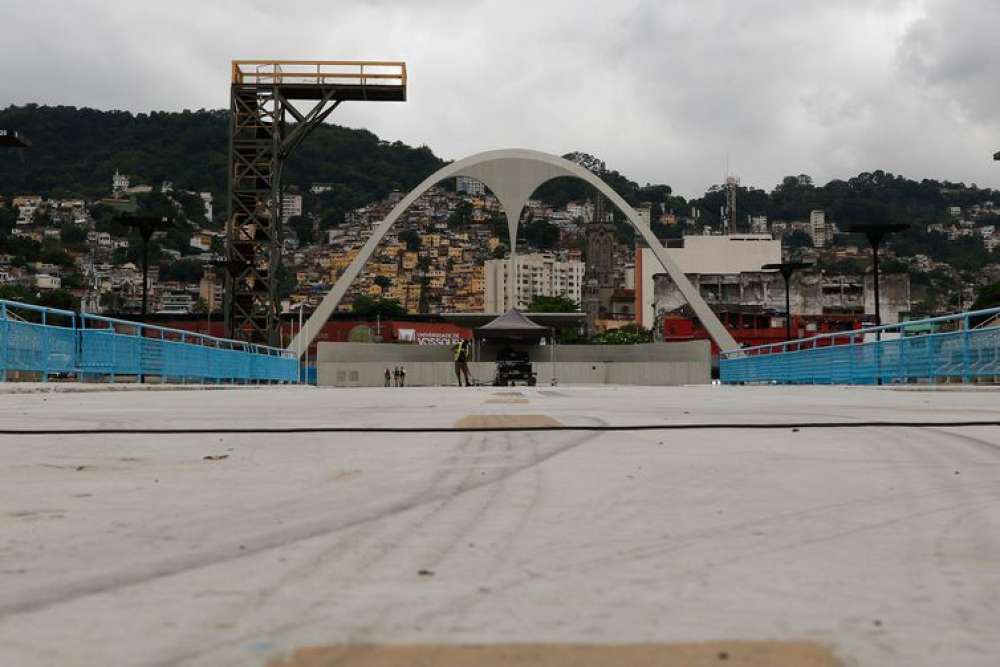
<point>798,239</point>
<point>303,228</point>
<point>58,298</point>
<point>8,217</point>
<point>72,280</point>
<point>552,304</point>
<point>24,250</point>
<point>182,270</point>
<point>411,238</point>
<point>52,253</point>
<point>541,234</point>
<point>988,297</point>
<point>73,235</point>
<point>461,216</point>
<point>630,334</point>
<point>369,307</point>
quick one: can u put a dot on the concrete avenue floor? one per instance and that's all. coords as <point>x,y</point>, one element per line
<point>879,544</point>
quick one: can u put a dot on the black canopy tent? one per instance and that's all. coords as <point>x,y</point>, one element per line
<point>512,325</point>
<point>515,327</point>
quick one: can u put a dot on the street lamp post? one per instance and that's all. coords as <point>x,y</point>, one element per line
<point>876,233</point>
<point>787,269</point>
<point>145,225</point>
<point>298,351</point>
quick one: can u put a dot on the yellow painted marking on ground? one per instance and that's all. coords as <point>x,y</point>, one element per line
<point>499,421</point>
<point>714,654</point>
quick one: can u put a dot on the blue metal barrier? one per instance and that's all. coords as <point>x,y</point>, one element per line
<point>36,339</point>
<point>48,341</point>
<point>929,350</point>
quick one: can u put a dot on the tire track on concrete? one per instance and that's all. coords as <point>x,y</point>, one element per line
<point>538,454</point>
<point>693,539</point>
<point>543,454</point>
<point>384,545</point>
<point>656,548</point>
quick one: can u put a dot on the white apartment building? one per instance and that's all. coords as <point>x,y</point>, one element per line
<point>758,224</point>
<point>291,206</point>
<point>46,281</point>
<point>818,228</point>
<point>539,274</point>
<point>469,186</point>
<point>207,201</point>
<point>584,211</point>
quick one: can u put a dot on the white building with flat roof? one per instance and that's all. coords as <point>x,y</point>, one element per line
<point>469,186</point>
<point>47,281</point>
<point>291,206</point>
<point>539,274</point>
<point>818,228</point>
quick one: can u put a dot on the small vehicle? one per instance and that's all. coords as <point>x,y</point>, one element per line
<point>514,366</point>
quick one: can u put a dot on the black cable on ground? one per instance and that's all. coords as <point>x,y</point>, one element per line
<point>492,429</point>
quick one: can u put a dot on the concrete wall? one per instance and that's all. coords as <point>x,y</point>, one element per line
<point>364,364</point>
<point>704,254</point>
<point>811,293</point>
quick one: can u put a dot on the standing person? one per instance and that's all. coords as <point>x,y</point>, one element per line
<point>460,352</point>
<point>395,376</point>
<point>402,376</point>
<point>388,375</point>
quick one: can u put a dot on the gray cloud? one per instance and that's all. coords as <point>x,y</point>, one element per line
<point>660,90</point>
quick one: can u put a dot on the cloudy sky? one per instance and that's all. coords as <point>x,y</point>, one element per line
<point>662,90</point>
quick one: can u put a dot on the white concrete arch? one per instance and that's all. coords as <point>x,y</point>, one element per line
<point>513,175</point>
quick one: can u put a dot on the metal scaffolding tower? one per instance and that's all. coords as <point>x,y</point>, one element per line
<point>265,127</point>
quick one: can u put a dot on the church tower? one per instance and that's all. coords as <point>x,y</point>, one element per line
<point>599,275</point>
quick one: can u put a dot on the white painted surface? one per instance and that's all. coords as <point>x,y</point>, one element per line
<point>883,543</point>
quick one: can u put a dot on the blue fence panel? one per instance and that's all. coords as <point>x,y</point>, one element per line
<point>38,346</point>
<point>884,355</point>
<point>90,345</point>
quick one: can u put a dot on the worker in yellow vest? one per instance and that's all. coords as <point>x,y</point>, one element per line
<point>460,351</point>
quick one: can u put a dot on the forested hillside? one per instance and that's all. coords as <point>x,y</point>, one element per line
<point>75,152</point>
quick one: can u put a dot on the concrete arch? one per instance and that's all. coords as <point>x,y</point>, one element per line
<point>513,175</point>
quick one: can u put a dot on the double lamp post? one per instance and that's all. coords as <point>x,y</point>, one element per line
<point>875,233</point>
